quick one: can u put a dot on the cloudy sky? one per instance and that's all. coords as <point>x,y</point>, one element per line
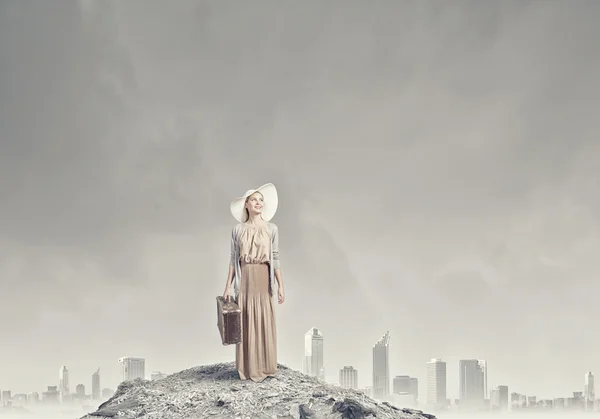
<point>437,167</point>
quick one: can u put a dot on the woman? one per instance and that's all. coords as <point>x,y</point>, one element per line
<point>253,267</point>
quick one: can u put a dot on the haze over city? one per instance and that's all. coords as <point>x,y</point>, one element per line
<point>436,164</point>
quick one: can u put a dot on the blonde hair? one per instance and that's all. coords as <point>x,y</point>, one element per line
<point>246,201</point>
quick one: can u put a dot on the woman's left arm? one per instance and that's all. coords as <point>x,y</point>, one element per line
<point>276,264</point>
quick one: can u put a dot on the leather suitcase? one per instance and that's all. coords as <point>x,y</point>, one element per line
<point>229,321</point>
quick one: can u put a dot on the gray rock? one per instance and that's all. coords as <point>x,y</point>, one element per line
<point>305,412</point>
<point>215,391</point>
<point>351,409</point>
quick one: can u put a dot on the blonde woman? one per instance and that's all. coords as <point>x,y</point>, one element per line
<point>253,269</point>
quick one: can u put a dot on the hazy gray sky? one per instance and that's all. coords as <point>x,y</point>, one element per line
<point>437,166</point>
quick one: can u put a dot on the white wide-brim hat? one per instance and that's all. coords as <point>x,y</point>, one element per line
<point>269,193</point>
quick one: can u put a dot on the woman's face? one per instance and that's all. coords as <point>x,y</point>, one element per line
<point>255,203</point>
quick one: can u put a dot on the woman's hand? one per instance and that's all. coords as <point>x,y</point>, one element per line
<point>280,295</point>
<point>227,293</point>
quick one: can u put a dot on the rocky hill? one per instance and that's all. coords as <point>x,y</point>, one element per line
<point>215,391</point>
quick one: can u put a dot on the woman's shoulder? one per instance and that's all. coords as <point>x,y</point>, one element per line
<point>236,228</point>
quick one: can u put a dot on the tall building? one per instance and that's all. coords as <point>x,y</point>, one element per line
<point>471,384</point>
<point>6,397</point>
<point>33,397</point>
<point>503,396</point>
<point>80,390</point>
<point>589,391</point>
<point>313,354</point>
<point>518,400</point>
<point>381,368</point>
<point>401,384</point>
<point>406,385</point>
<point>52,395</point>
<point>63,380</point>
<point>499,398</point>
<point>349,377</point>
<point>436,383</point>
<point>414,387</point>
<point>484,379</point>
<point>132,368</point>
<point>495,398</point>
<point>96,385</point>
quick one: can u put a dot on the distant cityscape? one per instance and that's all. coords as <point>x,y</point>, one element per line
<point>473,384</point>
<point>401,390</point>
<point>131,368</point>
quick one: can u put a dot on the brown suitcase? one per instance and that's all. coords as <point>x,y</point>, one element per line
<point>229,321</point>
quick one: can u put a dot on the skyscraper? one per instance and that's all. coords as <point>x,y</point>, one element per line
<point>63,380</point>
<point>313,354</point>
<point>80,391</point>
<point>406,385</point>
<point>436,383</point>
<point>589,391</point>
<point>349,378</point>
<point>503,396</point>
<point>401,384</point>
<point>414,387</point>
<point>471,376</point>
<point>132,368</point>
<point>381,368</point>
<point>96,385</point>
<point>484,379</point>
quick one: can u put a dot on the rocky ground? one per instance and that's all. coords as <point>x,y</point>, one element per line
<point>215,391</point>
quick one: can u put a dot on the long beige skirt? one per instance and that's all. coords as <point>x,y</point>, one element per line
<point>256,355</point>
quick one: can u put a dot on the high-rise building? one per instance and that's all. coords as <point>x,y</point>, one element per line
<point>313,354</point>
<point>33,397</point>
<point>6,397</point>
<point>63,380</point>
<point>381,368</point>
<point>436,383</point>
<point>484,379</point>
<point>499,398</point>
<point>132,368</point>
<point>495,398</point>
<point>349,377</point>
<point>96,385</point>
<point>589,390</point>
<point>80,390</point>
<point>414,387</point>
<point>471,389</point>
<point>518,400</point>
<point>52,395</point>
<point>406,385</point>
<point>503,396</point>
<point>401,384</point>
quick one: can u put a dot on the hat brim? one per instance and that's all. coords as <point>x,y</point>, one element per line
<point>271,202</point>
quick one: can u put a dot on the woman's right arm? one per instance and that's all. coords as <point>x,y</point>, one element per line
<point>229,277</point>
<point>232,262</point>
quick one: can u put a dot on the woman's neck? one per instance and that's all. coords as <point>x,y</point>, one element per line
<point>255,219</point>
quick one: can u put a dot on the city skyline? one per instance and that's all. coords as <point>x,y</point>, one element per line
<point>459,141</point>
<point>130,369</point>
<point>472,378</point>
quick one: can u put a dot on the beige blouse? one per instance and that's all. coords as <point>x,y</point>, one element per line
<point>255,244</point>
